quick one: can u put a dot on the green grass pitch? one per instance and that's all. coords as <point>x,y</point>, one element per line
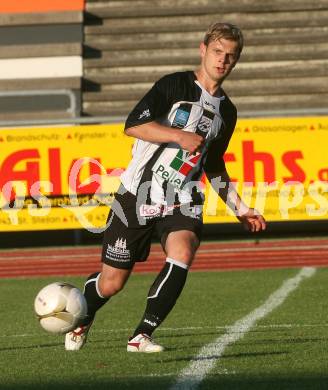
<point>288,349</point>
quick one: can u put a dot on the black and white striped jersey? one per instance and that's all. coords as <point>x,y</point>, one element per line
<point>178,100</point>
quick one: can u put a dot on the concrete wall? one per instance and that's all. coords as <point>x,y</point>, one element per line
<point>130,44</point>
<point>40,59</point>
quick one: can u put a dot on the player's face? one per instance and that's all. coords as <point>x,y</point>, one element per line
<point>218,58</point>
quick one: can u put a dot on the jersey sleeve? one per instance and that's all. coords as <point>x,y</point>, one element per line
<point>214,161</point>
<point>153,105</point>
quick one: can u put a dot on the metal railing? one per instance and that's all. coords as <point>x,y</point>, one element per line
<point>67,121</point>
<point>120,119</point>
<point>72,109</point>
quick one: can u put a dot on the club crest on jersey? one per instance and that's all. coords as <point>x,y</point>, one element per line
<point>175,170</point>
<point>204,125</point>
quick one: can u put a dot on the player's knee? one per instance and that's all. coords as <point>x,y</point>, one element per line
<point>187,255</point>
<point>109,287</point>
<point>182,246</point>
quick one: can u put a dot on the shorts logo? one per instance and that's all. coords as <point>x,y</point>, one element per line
<point>118,252</point>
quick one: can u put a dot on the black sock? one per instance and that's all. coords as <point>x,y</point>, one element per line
<point>94,300</point>
<point>162,295</point>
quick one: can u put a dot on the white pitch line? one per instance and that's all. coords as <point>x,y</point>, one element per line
<point>184,328</point>
<point>191,377</point>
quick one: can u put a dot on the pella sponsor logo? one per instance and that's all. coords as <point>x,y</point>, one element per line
<point>171,176</point>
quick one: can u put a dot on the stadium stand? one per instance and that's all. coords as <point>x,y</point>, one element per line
<point>40,59</point>
<point>127,45</point>
<point>130,44</point>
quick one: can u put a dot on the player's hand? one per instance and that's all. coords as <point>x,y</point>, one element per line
<point>191,142</point>
<point>252,221</point>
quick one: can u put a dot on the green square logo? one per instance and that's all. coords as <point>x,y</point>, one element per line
<point>176,164</point>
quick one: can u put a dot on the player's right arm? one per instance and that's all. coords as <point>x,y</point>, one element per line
<point>157,133</point>
<point>143,121</point>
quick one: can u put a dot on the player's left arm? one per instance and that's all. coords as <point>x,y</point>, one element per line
<point>251,219</point>
<point>218,176</point>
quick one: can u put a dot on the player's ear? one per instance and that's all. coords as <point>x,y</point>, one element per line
<point>202,49</point>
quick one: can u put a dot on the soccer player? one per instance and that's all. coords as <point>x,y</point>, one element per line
<point>182,128</point>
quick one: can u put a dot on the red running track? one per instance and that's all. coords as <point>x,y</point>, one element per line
<point>234,255</point>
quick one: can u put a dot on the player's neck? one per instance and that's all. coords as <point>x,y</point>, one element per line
<point>211,86</point>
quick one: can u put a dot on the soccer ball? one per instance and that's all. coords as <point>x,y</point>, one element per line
<point>60,307</point>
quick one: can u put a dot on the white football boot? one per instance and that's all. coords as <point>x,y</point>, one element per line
<point>143,343</point>
<point>77,338</point>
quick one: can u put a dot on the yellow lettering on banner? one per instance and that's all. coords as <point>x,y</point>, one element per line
<point>62,174</point>
<point>272,156</point>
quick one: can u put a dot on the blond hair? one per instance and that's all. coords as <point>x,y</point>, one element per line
<point>228,31</point>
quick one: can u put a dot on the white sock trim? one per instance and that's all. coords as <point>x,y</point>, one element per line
<point>177,263</point>
<point>172,262</point>
<point>162,283</point>
<point>96,280</point>
<point>97,286</point>
<point>87,282</point>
